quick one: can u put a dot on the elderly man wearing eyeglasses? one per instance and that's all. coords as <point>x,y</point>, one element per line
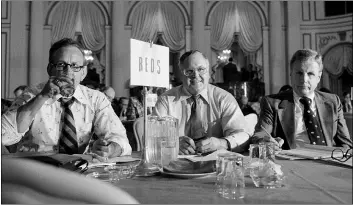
<point>209,117</point>
<point>61,115</point>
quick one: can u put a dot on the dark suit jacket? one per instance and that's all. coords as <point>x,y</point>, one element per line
<point>277,117</point>
<point>230,73</point>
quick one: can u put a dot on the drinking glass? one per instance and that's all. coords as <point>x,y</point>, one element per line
<point>233,181</point>
<point>230,181</point>
<point>263,171</point>
<point>167,152</point>
<point>162,129</point>
<point>66,89</point>
<point>221,160</point>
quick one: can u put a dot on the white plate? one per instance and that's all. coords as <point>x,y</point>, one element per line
<point>187,176</point>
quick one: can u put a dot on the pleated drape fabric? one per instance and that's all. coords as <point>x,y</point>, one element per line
<point>66,16</point>
<point>152,18</point>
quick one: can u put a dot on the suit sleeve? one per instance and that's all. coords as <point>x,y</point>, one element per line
<point>266,121</point>
<point>342,137</point>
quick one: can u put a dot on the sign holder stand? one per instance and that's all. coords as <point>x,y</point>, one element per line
<point>145,167</point>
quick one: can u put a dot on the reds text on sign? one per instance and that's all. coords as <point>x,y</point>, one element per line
<point>149,64</point>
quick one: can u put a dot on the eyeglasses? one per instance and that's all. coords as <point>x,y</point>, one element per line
<point>62,65</point>
<point>189,72</point>
<point>340,155</point>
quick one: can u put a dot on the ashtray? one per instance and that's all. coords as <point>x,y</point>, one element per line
<point>120,171</point>
<point>103,176</point>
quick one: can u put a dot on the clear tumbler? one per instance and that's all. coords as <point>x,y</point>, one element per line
<point>231,182</point>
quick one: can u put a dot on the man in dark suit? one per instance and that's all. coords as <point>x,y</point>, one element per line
<point>230,72</point>
<point>303,115</point>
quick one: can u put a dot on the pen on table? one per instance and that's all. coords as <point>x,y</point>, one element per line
<point>197,140</point>
<point>262,127</point>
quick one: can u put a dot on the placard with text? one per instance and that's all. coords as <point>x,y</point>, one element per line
<point>149,64</point>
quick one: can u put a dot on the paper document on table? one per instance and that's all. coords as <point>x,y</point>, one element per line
<point>308,153</point>
<point>209,157</point>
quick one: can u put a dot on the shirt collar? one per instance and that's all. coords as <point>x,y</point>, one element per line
<point>185,94</point>
<point>297,97</point>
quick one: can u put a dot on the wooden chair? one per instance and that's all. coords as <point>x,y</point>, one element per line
<point>138,132</point>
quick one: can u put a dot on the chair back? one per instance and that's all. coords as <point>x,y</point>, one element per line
<point>251,121</point>
<point>138,132</point>
<point>348,117</point>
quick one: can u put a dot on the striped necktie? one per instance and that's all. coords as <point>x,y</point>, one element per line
<point>68,139</point>
<point>312,124</point>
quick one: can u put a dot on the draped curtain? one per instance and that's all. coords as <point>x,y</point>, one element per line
<point>338,59</point>
<point>223,25</point>
<point>65,20</point>
<point>151,18</point>
<point>92,26</point>
<point>231,17</point>
<point>238,17</point>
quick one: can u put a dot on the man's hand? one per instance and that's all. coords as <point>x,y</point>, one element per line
<point>278,142</point>
<point>52,87</point>
<point>28,147</point>
<point>186,145</point>
<point>104,148</point>
<point>210,144</point>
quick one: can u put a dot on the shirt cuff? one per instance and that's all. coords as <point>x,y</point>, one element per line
<point>237,139</point>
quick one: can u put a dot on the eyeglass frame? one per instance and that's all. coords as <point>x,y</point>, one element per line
<point>193,71</point>
<point>67,64</point>
<point>346,156</point>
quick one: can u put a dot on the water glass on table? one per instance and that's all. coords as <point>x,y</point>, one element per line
<point>264,172</point>
<point>230,181</point>
<point>168,148</point>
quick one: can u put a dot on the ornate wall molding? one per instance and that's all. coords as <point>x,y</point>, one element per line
<point>305,10</point>
<point>307,40</point>
<point>5,74</point>
<point>324,41</point>
<point>5,12</point>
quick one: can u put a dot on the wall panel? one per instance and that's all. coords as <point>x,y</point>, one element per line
<point>4,61</point>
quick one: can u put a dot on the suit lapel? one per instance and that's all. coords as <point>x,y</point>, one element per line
<point>324,110</point>
<point>286,118</point>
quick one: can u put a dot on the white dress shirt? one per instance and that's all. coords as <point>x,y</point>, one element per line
<point>220,111</point>
<point>92,112</point>
<point>300,129</point>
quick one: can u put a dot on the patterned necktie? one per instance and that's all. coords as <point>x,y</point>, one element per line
<point>312,123</point>
<point>68,139</point>
<point>195,118</point>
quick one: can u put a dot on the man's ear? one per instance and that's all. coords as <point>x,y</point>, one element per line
<point>49,70</point>
<point>83,73</point>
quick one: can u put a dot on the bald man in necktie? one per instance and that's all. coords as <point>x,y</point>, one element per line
<point>209,117</point>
